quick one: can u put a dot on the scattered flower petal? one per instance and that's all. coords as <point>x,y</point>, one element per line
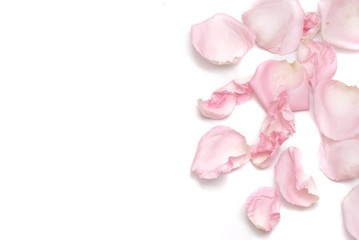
<point>272,77</point>
<point>336,109</point>
<point>340,23</point>
<point>278,24</point>
<point>263,207</point>
<point>350,212</point>
<point>339,160</point>
<point>222,39</point>
<point>220,150</point>
<point>295,186</point>
<point>311,24</point>
<point>224,100</point>
<point>319,59</point>
<point>276,128</point>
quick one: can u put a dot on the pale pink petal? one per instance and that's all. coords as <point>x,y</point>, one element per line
<point>263,207</point>
<point>311,25</point>
<point>336,109</point>
<point>273,77</point>
<point>278,24</point>
<point>350,212</point>
<point>295,186</point>
<point>224,100</point>
<point>339,160</point>
<point>219,151</point>
<point>264,153</point>
<point>276,128</point>
<point>340,23</point>
<point>222,39</point>
<point>280,117</point>
<point>319,59</point>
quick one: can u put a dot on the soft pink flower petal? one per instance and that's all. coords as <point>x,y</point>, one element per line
<point>219,151</point>
<point>278,24</point>
<point>340,23</point>
<point>263,207</point>
<point>350,212</point>
<point>339,160</point>
<point>311,24</point>
<point>276,128</point>
<point>264,153</point>
<point>222,39</point>
<point>336,109</point>
<point>224,100</point>
<point>295,186</point>
<point>273,77</point>
<point>319,59</point>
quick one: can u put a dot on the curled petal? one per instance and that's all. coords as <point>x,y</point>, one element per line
<point>222,39</point>
<point>311,24</point>
<point>350,212</point>
<point>340,23</point>
<point>339,160</point>
<point>278,25</point>
<point>280,117</point>
<point>263,207</point>
<point>264,153</point>
<point>336,109</point>
<point>319,59</point>
<point>276,128</point>
<point>219,151</point>
<point>295,186</point>
<point>224,100</point>
<point>273,77</point>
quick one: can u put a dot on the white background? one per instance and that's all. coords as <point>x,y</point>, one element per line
<point>99,127</point>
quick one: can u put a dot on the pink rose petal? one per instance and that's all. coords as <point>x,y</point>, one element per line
<point>295,186</point>
<point>273,77</point>
<point>339,160</point>
<point>224,100</point>
<point>276,128</point>
<point>278,24</point>
<point>319,59</point>
<point>350,212</point>
<point>222,39</point>
<point>336,109</point>
<point>262,208</point>
<point>311,24</point>
<point>340,23</point>
<point>220,150</point>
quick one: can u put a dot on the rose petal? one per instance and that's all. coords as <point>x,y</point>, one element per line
<point>350,212</point>
<point>295,186</point>
<point>319,59</point>
<point>339,160</point>
<point>273,77</point>
<point>311,24</point>
<point>224,100</point>
<point>336,109</point>
<point>340,23</point>
<point>264,153</point>
<point>219,151</point>
<point>222,39</point>
<point>262,208</point>
<point>276,128</point>
<point>278,24</point>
